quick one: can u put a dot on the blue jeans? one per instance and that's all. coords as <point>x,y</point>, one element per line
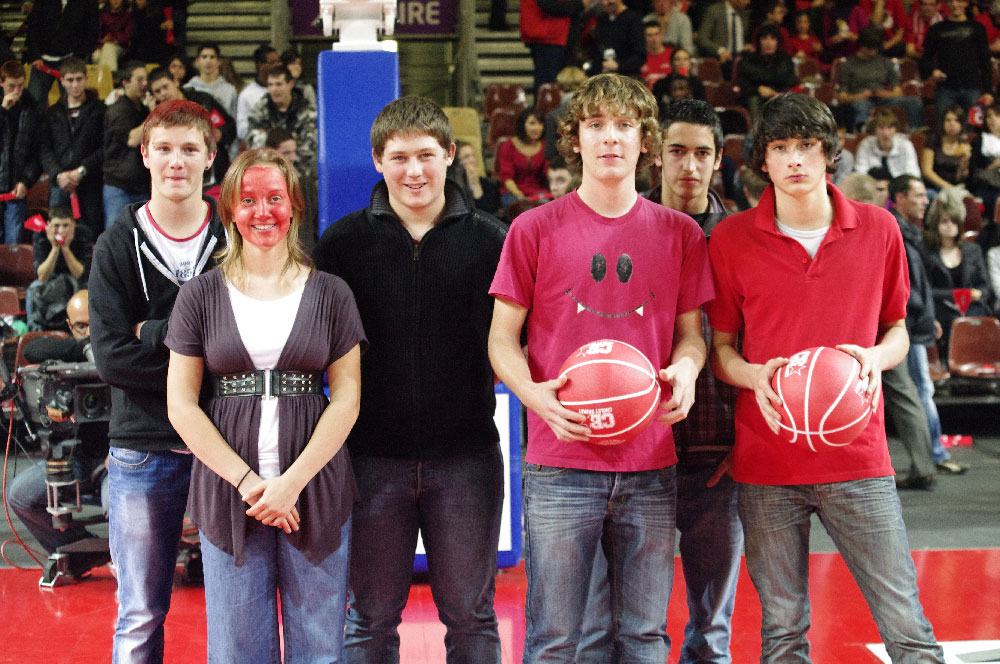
<point>711,541</point>
<point>241,603</point>
<point>26,495</point>
<point>947,97</point>
<point>548,60</point>
<point>456,504</point>
<point>916,363</point>
<point>14,214</point>
<point>865,522</point>
<point>115,199</point>
<point>148,495</point>
<point>569,514</point>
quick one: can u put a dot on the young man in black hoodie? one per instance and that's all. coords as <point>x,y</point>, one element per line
<point>138,267</point>
<point>72,149</point>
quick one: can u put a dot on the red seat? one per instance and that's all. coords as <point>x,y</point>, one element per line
<point>503,95</point>
<point>908,70</point>
<point>810,68</point>
<point>913,88</point>
<point>928,88</point>
<point>38,197</point>
<point>919,140</point>
<point>518,207</point>
<point>974,347</point>
<point>826,92</point>
<point>973,215</point>
<point>503,124</point>
<point>10,303</point>
<point>720,94</point>
<point>707,69</point>
<point>850,142</point>
<point>733,148</point>
<point>17,266</point>
<point>549,97</point>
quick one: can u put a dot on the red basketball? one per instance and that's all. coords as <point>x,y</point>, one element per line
<point>615,386</point>
<point>825,402</point>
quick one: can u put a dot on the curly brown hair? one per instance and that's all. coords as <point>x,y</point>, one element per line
<point>617,95</point>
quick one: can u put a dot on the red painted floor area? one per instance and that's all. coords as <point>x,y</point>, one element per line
<point>73,624</point>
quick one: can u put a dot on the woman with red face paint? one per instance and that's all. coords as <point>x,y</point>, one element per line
<point>272,487</point>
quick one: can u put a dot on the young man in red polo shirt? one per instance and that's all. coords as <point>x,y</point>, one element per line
<point>807,267</point>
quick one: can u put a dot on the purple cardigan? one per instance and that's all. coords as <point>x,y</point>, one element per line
<point>327,326</point>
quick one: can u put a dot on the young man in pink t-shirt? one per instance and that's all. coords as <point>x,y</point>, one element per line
<point>600,263</point>
<point>807,267</point>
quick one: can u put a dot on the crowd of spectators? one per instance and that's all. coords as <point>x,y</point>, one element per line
<point>912,84</point>
<point>931,62</point>
<point>84,152</point>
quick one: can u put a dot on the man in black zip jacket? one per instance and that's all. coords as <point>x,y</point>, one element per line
<point>139,265</point>
<point>425,451</point>
<point>72,146</point>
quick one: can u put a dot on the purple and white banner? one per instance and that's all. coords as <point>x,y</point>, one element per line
<point>413,17</point>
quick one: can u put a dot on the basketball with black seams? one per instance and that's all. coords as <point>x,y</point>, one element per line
<point>825,402</point>
<point>615,386</point>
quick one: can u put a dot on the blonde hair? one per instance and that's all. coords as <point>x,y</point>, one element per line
<point>231,256</point>
<point>860,187</point>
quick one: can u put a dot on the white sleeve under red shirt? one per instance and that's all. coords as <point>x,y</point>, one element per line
<point>655,267</point>
<point>782,301</point>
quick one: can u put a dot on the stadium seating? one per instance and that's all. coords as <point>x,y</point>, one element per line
<point>549,97</point>
<point>503,95</point>
<point>974,352</point>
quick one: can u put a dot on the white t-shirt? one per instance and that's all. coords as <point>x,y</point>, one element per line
<point>180,255</point>
<point>264,327</point>
<point>810,240</point>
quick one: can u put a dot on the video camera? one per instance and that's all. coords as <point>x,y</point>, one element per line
<point>55,399</point>
<point>60,396</point>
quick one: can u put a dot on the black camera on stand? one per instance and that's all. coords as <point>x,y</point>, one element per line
<point>56,398</point>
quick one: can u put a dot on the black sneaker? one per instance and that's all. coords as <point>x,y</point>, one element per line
<point>923,483</point>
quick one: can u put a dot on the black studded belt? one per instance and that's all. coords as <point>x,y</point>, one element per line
<point>267,383</point>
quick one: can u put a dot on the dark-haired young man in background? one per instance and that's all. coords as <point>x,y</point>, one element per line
<point>711,537</point>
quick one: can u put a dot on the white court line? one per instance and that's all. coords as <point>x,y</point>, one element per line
<point>955,652</point>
